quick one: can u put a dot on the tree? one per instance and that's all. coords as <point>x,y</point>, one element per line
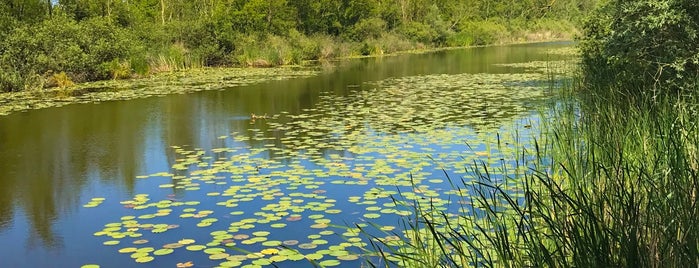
<point>28,10</point>
<point>647,43</point>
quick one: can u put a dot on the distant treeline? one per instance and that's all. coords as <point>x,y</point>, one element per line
<point>52,43</point>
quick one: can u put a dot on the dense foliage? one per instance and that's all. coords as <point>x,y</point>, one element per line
<point>43,42</point>
<point>646,44</point>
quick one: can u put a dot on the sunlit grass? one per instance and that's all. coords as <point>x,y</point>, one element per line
<point>612,183</point>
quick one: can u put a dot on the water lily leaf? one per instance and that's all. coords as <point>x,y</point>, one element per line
<point>214,250</point>
<point>372,215</point>
<point>329,263</point>
<point>185,264</point>
<point>230,264</point>
<point>307,246</point>
<point>218,256</point>
<point>195,247</point>
<point>261,233</point>
<point>173,245</point>
<point>349,257</point>
<point>290,242</point>
<point>262,262</point>
<point>278,225</point>
<point>278,258</point>
<point>186,241</point>
<point>164,251</point>
<point>272,243</point>
<point>314,256</point>
<point>145,259</point>
<point>269,251</point>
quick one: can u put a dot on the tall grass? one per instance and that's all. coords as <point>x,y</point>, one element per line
<point>613,182</point>
<point>173,58</point>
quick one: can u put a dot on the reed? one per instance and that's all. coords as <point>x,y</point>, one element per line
<point>611,182</point>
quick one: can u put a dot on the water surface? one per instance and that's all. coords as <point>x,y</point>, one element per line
<point>361,125</point>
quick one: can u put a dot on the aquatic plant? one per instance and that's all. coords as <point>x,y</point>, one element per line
<point>613,184</point>
<point>262,199</point>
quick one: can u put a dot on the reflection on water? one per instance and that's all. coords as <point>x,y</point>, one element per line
<point>52,160</point>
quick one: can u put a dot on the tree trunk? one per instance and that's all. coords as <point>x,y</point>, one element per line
<point>162,11</point>
<point>109,8</point>
<point>403,10</point>
<point>50,7</point>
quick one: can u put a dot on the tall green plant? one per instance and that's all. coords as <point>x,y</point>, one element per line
<point>613,183</point>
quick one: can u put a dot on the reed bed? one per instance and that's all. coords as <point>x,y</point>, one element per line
<point>611,182</point>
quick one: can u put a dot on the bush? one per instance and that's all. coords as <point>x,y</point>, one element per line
<point>648,44</point>
<point>205,42</point>
<point>460,39</point>
<point>367,28</point>
<point>61,45</point>
<point>419,32</point>
<point>482,32</point>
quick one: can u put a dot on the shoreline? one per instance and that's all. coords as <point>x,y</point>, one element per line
<point>183,81</point>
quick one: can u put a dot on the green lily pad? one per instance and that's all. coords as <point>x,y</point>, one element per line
<point>314,256</point>
<point>145,259</point>
<point>329,263</point>
<point>195,247</point>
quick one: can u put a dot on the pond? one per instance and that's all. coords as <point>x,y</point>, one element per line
<point>277,173</point>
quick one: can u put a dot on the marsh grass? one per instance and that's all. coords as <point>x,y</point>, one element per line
<point>174,58</point>
<point>611,182</point>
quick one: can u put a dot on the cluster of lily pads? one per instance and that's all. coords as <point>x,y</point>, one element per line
<point>560,67</point>
<point>179,82</point>
<point>295,189</point>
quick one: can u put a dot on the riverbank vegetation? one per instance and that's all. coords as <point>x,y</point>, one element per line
<point>57,43</point>
<point>614,183</point>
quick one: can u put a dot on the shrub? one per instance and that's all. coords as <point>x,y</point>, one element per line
<point>419,32</point>
<point>649,44</point>
<point>61,45</point>
<point>482,32</point>
<point>460,39</point>
<point>367,28</point>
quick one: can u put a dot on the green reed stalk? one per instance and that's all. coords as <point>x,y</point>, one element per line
<point>613,183</point>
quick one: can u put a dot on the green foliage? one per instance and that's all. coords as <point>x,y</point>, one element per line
<point>481,32</point>
<point>419,32</point>
<point>86,38</point>
<point>367,28</point>
<point>62,45</point>
<point>117,69</point>
<point>61,80</point>
<point>650,44</point>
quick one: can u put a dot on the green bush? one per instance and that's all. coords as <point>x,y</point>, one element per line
<point>305,48</point>
<point>367,28</point>
<point>483,32</point>
<point>647,44</point>
<point>61,45</point>
<point>419,32</point>
<point>204,40</point>
<point>460,39</point>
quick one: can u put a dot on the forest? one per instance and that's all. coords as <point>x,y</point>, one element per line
<point>47,43</point>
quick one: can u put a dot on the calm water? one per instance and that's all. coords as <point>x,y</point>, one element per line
<point>329,140</point>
